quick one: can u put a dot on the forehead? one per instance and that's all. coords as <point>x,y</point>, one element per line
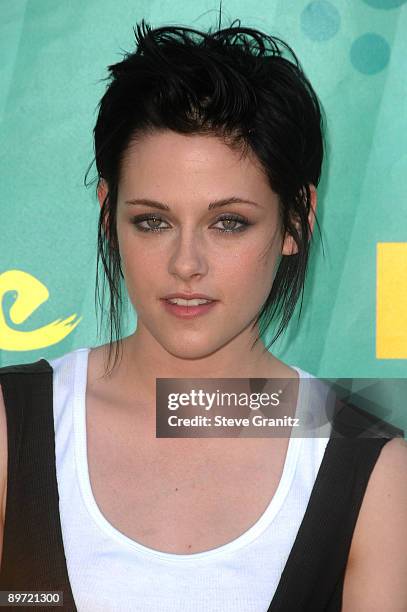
<point>182,162</point>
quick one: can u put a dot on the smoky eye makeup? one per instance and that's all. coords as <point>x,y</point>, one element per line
<point>229,223</point>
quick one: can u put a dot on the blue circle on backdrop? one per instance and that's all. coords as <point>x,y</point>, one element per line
<point>385,4</point>
<point>320,20</point>
<point>370,53</point>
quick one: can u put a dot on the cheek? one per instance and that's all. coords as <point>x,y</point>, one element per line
<point>248,275</point>
<point>140,265</point>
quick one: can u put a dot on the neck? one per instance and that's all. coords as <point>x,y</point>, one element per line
<point>144,360</point>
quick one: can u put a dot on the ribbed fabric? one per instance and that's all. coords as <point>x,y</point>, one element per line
<point>49,541</point>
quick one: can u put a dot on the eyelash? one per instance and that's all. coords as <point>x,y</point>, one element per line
<point>140,218</point>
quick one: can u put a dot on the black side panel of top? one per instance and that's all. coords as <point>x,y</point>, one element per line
<point>313,577</point>
<point>33,554</point>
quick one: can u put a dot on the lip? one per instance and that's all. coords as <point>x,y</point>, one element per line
<point>188,296</point>
<point>187,312</point>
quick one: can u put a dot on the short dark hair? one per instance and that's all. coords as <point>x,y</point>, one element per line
<point>235,83</point>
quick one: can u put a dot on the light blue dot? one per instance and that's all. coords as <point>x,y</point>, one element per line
<point>385,4</point>
<point>320,20</point>
<point>370,53</point>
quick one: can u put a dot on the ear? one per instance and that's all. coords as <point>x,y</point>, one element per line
<point>102,192</point>
<point>289,246</point>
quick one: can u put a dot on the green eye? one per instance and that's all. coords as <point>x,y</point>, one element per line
<point>146,219</point>
<point>233,219</point>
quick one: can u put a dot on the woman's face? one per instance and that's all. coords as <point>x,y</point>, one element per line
<point>191,253</point>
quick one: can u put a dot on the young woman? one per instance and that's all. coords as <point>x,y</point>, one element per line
<point>208,150</point>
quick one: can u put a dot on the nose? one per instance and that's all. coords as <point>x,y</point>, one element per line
<point>188,257</point>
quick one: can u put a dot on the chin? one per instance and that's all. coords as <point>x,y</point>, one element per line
<point>190,349</point>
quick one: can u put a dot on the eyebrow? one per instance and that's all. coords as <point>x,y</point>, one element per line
<point>212,205</point>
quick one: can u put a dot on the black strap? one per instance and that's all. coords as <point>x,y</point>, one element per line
<point>313,577</point>
<point>33,554</point>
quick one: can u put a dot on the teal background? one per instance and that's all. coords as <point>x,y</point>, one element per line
<point>53,55</point>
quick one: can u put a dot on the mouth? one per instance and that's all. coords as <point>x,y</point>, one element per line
<point>187,309</point>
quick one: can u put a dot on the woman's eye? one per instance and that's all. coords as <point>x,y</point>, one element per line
<point>153,223</point>
<point>230,224</point>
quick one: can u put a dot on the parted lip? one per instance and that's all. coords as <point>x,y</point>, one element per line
<point>188,296</point>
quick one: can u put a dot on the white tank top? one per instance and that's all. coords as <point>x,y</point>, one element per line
<point>108,571</point>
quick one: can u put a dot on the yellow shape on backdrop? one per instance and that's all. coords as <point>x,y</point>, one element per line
<point>31,293</point>
<point>391,304</point>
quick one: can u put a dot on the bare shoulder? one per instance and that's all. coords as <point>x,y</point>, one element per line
<point>377,565</point>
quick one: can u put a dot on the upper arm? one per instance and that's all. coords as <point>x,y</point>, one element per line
<point>3,467</point>
<point>376,574</point>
